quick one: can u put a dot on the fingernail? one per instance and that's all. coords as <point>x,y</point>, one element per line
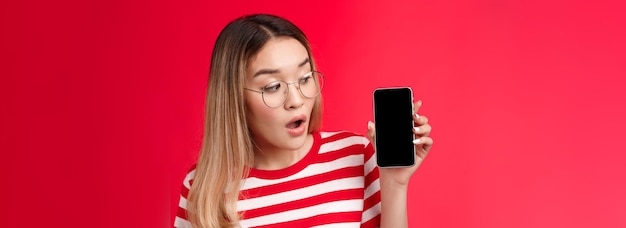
<point>419,102</point>
<point>416,129</point>
<point>417,116</point>
<point>369,124</point>
<point>416,141</point>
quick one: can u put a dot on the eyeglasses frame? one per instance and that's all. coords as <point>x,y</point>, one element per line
<point>321,86</point>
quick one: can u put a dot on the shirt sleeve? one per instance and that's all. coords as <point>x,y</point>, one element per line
<point>180,220</point>
<point>371,205</point>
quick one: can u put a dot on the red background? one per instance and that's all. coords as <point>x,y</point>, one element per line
<point>102,104</point>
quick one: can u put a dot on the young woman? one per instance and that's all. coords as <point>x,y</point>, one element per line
<point>264,162</point>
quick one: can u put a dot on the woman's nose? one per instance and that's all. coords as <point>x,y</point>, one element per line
<point>294,97</point>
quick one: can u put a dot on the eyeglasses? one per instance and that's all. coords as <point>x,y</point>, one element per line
<point>275,94</point>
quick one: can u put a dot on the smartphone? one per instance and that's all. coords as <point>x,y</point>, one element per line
<point>393,117</point>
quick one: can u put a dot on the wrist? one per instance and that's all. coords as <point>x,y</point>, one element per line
<point>396,177</point>
<point>388,182</point>
<point>393,196</point>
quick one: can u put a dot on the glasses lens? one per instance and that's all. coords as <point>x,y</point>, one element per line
<point>274,94</point>
<point>311,84</point>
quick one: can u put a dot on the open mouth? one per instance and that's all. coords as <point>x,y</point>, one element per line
<point>295,124</point>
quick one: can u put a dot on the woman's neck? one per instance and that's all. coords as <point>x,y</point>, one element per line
<point>268,158</point>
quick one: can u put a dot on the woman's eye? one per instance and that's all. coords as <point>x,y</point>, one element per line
<point>306,79</point>
<point>272,87</point>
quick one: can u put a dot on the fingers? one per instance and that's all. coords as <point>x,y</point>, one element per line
<point>417,105</point>
<point>424,142</point>
<point>420,120</point>
<point>423,130</point>
<point>371,131</point>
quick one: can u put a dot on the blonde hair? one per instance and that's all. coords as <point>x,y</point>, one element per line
<point>227,147</point>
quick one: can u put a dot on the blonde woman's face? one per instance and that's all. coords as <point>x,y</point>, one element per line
<point>285,126</point>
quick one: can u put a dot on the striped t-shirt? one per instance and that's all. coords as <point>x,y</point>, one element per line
<point>335,185</point>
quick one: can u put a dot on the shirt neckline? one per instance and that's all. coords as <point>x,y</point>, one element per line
<point>293,169</point>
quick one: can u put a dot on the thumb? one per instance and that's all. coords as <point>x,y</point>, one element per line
<point>371,131</point>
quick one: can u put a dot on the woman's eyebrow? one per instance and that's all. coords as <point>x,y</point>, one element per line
<point>304,62</point>
<point>275,71</point>
<point>266,71</point>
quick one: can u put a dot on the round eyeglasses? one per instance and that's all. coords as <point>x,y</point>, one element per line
<point>275,93</point>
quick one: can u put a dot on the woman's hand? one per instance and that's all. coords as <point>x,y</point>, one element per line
<point>423,143</point>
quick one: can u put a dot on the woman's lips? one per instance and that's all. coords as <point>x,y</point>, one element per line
<point>297,126</point>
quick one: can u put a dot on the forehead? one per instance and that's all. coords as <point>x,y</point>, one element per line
<point>281,53</point>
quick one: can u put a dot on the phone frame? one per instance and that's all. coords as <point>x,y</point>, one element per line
<point>376,131</point>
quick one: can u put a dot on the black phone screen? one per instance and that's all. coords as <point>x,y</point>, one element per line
<point>393,110</point>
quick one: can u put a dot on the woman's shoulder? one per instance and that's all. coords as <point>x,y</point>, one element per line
<point>191,173</point>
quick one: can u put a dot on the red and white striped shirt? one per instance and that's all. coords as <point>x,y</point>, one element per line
<point>335,185</point>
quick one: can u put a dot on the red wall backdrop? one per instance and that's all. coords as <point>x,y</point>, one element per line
<point>102,104</point>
